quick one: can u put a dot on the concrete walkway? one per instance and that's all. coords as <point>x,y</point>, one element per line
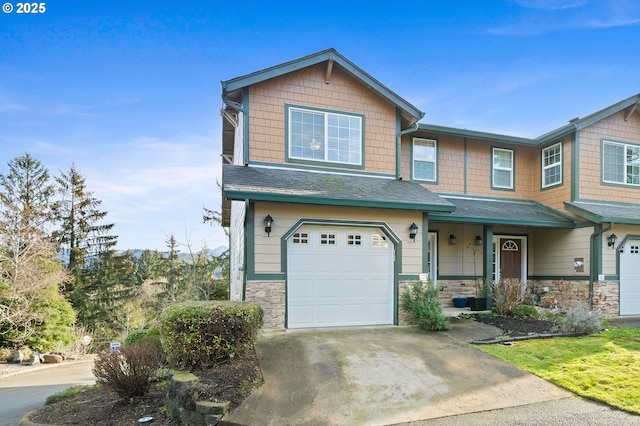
<point>383,376</point>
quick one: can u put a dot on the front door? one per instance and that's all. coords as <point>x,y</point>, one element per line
<point>510,258</point>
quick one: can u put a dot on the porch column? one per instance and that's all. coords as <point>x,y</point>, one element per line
<point>487,261</point>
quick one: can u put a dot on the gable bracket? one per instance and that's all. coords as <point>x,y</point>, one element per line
<point>631,110</point>
<point>327,78</point>
<point>232,119</point>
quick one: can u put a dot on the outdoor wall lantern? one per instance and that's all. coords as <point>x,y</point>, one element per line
<point>268,221</point>
<point>413,231</point>
<point>452,239</point>
<point>478,240</point>
<point>611,240</point>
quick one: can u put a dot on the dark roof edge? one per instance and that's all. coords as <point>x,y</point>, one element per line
<point>347,202</point>
<point>596,218</point>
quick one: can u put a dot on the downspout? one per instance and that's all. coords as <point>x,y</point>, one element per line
<point>411,129</point>
<point>593,270</point>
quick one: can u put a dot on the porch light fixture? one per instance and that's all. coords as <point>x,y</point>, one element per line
<point>452,239</point>
<point>478,240</point>
<point>268,221</point>
<point>611,240</point>
<point>413,231</point>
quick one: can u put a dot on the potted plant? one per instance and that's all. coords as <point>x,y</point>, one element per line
<point>459,302</point>
<point>479,303</point>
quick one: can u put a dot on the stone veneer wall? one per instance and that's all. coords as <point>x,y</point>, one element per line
<point>455,288</point>
<point>606,298</point>
<point>567,294</point>
<point>271,297</point>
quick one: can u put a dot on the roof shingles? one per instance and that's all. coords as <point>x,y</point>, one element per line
<point>310,187</point>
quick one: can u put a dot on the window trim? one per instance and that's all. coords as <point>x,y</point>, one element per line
<point>512,170</point>
<point>625,145</point>
<point>435,162</point>
<point>287,129</point>
<point>560,163</point>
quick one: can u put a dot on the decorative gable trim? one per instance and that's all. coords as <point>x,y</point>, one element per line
<point>333,58</point>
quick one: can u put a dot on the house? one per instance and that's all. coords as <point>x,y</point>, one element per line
<point>337,198</point>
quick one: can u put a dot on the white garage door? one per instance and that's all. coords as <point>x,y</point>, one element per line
<point>339,276</point>
<point>630,278</point>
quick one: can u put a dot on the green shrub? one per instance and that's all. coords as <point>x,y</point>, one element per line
<point>580,320</point>
<point>422,304</point>
<point>526,311</point>
<point>135,336</point>
<point>201,334</point>
<point>129,372</point>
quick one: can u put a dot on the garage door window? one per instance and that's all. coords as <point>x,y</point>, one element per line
<point>300,238</point>
<point>379,240</point>
<point>328,239</point>
<point>632,250</point>
<point>354,240</point>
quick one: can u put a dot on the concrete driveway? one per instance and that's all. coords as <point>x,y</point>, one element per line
<point>382,376</point>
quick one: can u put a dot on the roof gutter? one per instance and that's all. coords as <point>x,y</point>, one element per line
<point>233,105</point>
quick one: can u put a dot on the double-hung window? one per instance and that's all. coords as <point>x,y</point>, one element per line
<point>425,164</point>
<point>502,169</point>
<point>552,165</point>
<point>620,163</point>
<point>324,136</point>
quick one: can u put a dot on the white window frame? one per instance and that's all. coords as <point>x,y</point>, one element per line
<point>546,154</point>
<point>354,140</point>
<point>630,179</point>
<point>495,168</point>
<point>433,160</point>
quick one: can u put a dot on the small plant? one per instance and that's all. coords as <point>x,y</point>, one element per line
<point>129,372</point>
<point>422,303</point>
<point>526,311</point>
<point>65,394</point>
<point>580,320</point>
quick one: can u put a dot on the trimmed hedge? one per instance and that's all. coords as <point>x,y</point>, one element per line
<point>199,335</point>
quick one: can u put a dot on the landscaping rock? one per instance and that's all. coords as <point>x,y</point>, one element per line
<point>34,359</point>
<point>16,357</point>
<point>52,358</point>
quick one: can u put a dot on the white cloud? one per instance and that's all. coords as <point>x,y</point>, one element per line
<point>540,17</point>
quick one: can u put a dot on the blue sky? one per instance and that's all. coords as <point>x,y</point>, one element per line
<point>129,91</point>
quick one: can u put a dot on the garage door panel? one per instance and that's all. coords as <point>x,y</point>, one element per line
<point>351,284</point>
<point>328,314</point>
<point>630,278</point>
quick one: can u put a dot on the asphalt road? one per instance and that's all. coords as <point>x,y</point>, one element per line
<point>25,392</point>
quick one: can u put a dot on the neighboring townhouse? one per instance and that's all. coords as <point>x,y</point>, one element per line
<point>337,198</point>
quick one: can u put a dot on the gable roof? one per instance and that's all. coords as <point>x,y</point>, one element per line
<point>503,211</point>
<point>411,113</point>
<point>310,187</point>
<point>631,105</point>
<point>606,211</point>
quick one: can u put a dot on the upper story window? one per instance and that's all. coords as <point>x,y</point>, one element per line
<point>424,158</point>
<point>325,136</point>
<point>502,168</point>
<point>552,165</point>
<point>620,163</point>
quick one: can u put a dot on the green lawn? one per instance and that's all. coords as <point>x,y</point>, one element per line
<point>603,367</point>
